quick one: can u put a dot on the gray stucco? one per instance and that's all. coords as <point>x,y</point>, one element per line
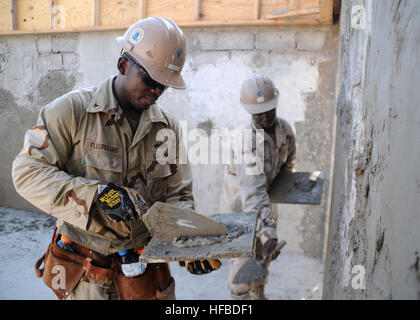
<point>374,240</point>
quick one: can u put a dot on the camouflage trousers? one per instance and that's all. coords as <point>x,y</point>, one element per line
<point>250,290</point>
<point>254,289</point>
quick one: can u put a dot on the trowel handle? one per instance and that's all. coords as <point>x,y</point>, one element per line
<point>279,246</point>
<point>142,205</point>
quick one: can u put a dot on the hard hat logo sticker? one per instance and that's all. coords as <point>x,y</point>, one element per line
<point>136,35</point>
<point>178,53</point>
<point>260,97</point>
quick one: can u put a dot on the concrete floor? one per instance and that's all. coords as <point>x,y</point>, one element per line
<point>25,235</point>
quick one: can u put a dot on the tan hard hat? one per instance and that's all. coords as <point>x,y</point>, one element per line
<point>158,45</point>
<point>258,94</point>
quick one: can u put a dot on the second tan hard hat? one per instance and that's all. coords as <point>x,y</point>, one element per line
<point>258,94</point>
<point>158,45</point>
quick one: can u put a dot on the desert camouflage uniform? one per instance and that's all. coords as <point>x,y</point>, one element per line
<point>245,193</point>
<point>83,139</point>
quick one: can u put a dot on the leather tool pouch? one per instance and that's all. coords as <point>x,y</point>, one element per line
<point>152,284</point>
<point>63,270</point>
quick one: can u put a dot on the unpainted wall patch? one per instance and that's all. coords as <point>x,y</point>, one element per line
<point>53,85</point>
<point>7,101</point>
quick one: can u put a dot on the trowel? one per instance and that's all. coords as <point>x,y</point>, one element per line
<point>297,187</point>
<point>166,222</point>
<point>239,242</point>
<point>253,269</point>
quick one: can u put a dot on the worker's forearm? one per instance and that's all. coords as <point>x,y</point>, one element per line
<point>54,191</point>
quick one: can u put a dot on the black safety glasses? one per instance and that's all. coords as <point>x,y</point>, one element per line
<point>148,81</point>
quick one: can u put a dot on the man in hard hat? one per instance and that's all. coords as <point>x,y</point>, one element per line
<point>91,162</point>
<point>246,192</point>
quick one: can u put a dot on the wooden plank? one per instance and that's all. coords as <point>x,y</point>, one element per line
<point>5,16</point>
<point>293,13</point>
<point>297,187</point>
<point>234,245</point>
<point>143,9</point>
<point>337,7</point>
<point>40,15</point>
<point>121,12</point>
<point>326,7</point>
<point>58,23</point>
<point>70,14</point>
<point>13,14</point>
<point>268,7</point>
<point>294,5</point>
<point>232,10</point>
<point>178,10</point>
<point>260,22</point>
<point>33,14</point>
<point>257,7</point>
<point>182,24</point>
<point>197,7</point>
<point>96,16</point>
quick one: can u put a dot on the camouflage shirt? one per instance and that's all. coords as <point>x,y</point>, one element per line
<point>246,192</point>
<point>83,139</point>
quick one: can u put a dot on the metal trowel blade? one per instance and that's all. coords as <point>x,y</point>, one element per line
<point>165,221</point>
<point>253,269</point>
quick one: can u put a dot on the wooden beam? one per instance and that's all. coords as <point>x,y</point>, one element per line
<point>337,7</point>
<point>281,14</point>
<point>51,4</point>
<point>257,8</point>
<point>188,24</point>
<point>13,15</point>
<point>326,11</point>
<point>197,9</point>
<point>143,9</point>
<point>96,13</point>
<point>296,5</point>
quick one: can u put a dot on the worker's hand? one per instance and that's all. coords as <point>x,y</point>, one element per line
<point>121,203</point>
<point>201,266</point>
<point>271,249</point>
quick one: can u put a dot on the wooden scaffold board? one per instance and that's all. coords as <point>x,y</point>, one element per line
<point>48,16</point>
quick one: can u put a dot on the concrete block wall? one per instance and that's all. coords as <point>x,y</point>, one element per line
<point>300,60</point>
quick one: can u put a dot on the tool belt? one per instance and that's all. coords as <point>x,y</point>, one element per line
<point>63,270</point>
